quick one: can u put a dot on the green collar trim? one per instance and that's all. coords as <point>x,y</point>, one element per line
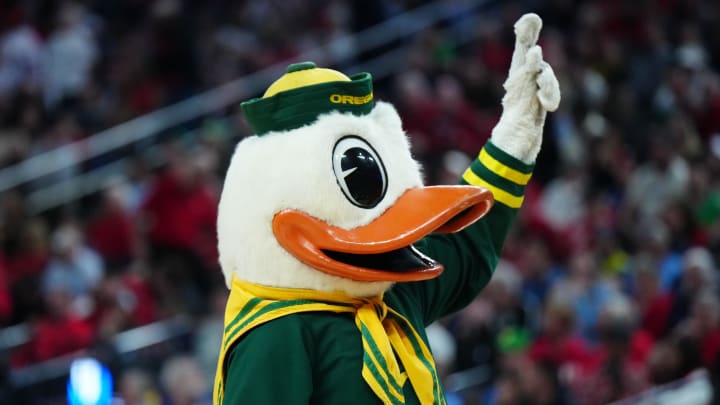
<point>295,108</point>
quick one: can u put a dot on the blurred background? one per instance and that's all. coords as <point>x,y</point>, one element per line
<point>118,119</point>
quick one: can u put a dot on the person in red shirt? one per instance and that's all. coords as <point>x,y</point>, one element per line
<point>123,301</point>
<point>57,332</point>
<point>617,367</point>
<point>181,208</point>
<point>557,344</point>
<point>704,326</point>
<point>179,215</point>
<point>654,306</point>
<point>112,232</point>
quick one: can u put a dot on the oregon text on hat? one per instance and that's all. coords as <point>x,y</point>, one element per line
<point>347,99</point>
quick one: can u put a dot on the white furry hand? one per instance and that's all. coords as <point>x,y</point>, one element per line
<point>531,90</point>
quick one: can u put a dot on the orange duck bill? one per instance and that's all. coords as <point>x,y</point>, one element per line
<point>382,250</point>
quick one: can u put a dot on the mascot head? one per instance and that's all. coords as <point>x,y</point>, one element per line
<point>326,195</point>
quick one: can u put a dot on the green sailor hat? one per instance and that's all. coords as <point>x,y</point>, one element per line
<point>303,93</point>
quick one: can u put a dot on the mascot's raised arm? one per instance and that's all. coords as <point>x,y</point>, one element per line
<point>337,256</point>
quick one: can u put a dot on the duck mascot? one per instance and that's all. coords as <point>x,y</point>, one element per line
<point>336,255</point>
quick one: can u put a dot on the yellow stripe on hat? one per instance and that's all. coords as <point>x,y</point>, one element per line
<point>502,170</point>
<point>304,74</point>
<point>499,194</point>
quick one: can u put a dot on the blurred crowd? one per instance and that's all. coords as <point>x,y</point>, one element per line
<point>608,284</point>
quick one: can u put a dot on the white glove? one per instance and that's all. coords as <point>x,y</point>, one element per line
<point>531,90</point>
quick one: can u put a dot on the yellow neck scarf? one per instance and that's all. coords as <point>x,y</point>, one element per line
<point>383,331</point>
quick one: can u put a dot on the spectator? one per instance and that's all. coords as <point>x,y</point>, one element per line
<point>184,382</point>
<point>136,387</point>
<point>58,331</point>
<point>525,382</point>
<point>74,267</point>
<point>618,368</point>
<point>698,274</point>
<point>180,212</point>
<point>588,293</point>
<point>659,182</point>
<point>653,240</point>
<point>557,344</point>
<point>664,363</point>
<point>112,232</point>
<point>654,306</point>
<point>119,303</point>
<point>537,269</point>
<point>69,55</point>
<point>30,255</point>
<point>20,53</point>
<point>703,326</point>
<point>562,203</point>
<point>26,263</point>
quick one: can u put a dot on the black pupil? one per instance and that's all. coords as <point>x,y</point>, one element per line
<point>365,183</point>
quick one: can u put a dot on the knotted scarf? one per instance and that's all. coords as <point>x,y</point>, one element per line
<point>385,334</point>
